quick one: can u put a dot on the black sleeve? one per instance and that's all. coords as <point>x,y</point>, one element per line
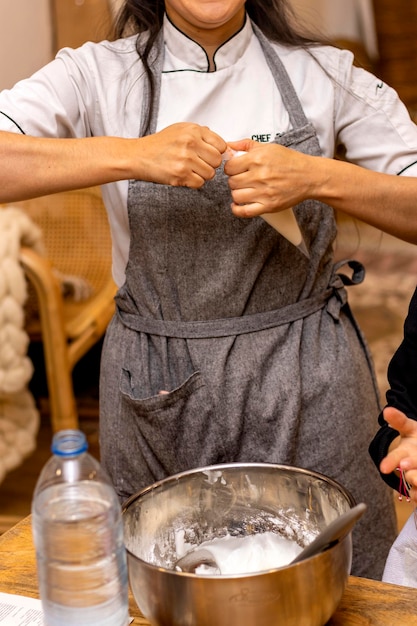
<point>402,393</point>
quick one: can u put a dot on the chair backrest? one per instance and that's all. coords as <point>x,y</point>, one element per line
<point>76,233</point>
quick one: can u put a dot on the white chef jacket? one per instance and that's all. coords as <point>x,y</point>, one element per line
<point>97,90</point>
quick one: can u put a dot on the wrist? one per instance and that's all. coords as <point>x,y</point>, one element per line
<point>327,184</point>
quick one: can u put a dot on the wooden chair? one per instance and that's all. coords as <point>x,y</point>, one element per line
<point>76,235</point>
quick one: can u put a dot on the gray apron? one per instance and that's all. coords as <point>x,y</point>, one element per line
<point>252,345</point>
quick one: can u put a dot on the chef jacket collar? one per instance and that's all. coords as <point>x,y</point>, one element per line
<point>186,53</point>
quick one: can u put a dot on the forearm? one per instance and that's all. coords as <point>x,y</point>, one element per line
<point>381,200</point>
<point>182,155</point>
<point>38,166</point>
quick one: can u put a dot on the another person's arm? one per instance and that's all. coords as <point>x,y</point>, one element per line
<point>402,452</point>
<point>395,444</point>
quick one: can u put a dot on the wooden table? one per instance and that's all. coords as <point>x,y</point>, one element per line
<point>365,602</point>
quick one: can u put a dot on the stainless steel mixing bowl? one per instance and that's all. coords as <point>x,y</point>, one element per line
<point>239,499</point>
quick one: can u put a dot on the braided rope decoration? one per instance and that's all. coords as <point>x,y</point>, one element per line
<point>19,417</point>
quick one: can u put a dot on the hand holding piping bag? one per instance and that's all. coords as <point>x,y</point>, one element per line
<point>252,182</point>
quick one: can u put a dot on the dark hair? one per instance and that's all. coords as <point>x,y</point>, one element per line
<point>275,18</point>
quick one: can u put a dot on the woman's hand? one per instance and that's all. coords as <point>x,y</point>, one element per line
<point>271,178</point>
<point>182,154</point>
<point>268,178</point>
<point>403,452</point>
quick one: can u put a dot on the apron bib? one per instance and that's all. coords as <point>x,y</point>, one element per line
<point>231,346</point>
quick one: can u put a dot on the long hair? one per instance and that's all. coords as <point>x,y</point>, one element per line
<point>275,18</point>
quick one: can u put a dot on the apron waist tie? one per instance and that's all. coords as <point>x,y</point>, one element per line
<point>226,327</point>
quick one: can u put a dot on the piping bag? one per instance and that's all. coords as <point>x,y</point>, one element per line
<point>284,222</point>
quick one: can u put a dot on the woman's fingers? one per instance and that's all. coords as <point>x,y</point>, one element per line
<point>181,155</point>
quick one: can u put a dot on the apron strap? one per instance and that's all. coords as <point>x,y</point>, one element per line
<point>338,282</point>
<point>226,327</point>
<point>289,96</point>
<point>333,298</point>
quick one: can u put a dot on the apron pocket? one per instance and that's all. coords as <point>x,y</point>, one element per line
<point>175,430</point>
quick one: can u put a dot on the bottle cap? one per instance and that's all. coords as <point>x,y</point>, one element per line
<point>69,443</point>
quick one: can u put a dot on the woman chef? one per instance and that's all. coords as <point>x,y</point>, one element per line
<point>228,344</point>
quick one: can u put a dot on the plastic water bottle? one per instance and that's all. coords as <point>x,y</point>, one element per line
<point>78,535</point>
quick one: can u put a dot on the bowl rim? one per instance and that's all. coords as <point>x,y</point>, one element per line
<point>222,466</point>
<point>225,466</point>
